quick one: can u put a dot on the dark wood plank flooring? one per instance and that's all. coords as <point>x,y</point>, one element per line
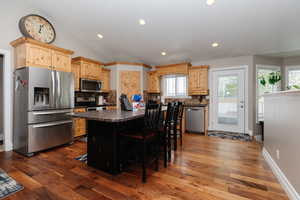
<point>204,169</point>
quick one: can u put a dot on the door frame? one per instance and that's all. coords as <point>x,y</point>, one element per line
<point>8,99</point>
<point>210,83</point>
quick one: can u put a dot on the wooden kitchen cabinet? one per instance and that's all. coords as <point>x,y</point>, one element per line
<point>35,56</point>
<point>76,71</point>
<point>79,124</point>
<point>111,108</point>
<point>32,53</point>
<point>91,71</point>
<point>61,61</point>
<point>198,80</point>
<point>87,69</point>
<point>105,79</point>
<point>153,82</point>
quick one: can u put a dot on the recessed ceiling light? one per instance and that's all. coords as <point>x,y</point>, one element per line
<point>210,2</point>
<point>100,36</point>
<point>163,53</point>
<point>215,44</point>
<point>142,22</point>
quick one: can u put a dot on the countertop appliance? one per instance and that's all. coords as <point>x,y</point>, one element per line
<point>43,100</point>
<point>194,119</point>
<point>125,104</point>
<point>90,102</point>
<point>87,85</point>
<point>100,100</point>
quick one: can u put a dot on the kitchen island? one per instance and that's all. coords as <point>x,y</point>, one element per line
<point>104,127</point>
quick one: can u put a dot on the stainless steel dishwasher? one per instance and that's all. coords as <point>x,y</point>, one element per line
<point>194,119</point>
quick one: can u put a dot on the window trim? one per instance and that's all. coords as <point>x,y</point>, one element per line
<point>287,69</point>
<point>270,67</point>
<point>176,96</point>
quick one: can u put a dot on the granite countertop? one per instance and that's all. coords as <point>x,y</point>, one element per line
<point>111,116</point>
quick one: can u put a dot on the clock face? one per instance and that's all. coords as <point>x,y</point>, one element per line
<point>38,28</point>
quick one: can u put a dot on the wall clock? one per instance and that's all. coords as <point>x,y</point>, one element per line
<point>38,28</point>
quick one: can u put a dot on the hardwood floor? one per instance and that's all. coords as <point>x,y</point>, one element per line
<point>205,168</point>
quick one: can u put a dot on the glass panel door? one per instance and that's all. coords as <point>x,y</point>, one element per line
<point>228,101</point>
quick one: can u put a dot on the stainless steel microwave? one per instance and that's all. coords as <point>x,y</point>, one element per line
<point>87,85</point>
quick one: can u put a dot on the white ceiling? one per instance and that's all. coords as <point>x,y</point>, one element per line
<point>184,29</point>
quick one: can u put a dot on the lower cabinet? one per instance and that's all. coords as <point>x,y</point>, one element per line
<point>79,124</point>
<point>111,108</point>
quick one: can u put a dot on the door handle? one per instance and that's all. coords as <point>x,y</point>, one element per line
<point>53,86</point>
<point>51,112</point>
<point>58,87</point>
<point>52,124</point>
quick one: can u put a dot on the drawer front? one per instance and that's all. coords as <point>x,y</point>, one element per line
<point>49,115</point>
<point>47,135</point>
<point>80,110</point>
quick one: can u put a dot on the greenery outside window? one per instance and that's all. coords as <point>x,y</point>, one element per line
<point>293,77</point>
<point>262,73</point>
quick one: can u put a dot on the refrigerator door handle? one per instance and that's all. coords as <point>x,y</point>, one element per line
<point>52,124</point>
<point>53,87</point>
<point>58,89</point>
<point>52,112</point>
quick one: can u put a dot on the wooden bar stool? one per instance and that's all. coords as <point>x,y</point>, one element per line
<point>148,135</point>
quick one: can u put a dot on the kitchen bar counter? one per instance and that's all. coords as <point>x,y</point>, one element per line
<point>111,116</point>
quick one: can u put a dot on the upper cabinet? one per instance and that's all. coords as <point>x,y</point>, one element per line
<point>61,61</point>
<point>198,80</point>
<point>90,69</point>
<point>29,52</point>
<point>76,69</point>
<point>153,82</point>
<point>181,68</point>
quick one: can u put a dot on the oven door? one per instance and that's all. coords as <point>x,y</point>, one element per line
<point>90,85</point>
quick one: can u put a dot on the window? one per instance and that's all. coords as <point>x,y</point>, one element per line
<point>175,86</point>
<point>293,77</point>
<point>264,71</point>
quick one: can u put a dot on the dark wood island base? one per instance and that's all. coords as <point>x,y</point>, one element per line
<point>104,127</point>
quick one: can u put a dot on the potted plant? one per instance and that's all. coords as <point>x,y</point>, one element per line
<point>273,79</point>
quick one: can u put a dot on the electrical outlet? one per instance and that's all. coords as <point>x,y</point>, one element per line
<point>278,154</point>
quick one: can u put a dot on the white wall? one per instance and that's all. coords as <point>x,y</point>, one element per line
<point>1,97</point>
<point>10,13</point>
<point>234,62</point>
<point>282,139</point>
<point>291,61</point>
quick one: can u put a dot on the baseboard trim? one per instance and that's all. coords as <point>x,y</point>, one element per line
<point>287,186</point>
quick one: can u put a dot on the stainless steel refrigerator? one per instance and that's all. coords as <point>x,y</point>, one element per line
<point>42,103</point>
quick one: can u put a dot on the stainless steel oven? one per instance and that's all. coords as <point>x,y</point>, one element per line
<point>87,85</point>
